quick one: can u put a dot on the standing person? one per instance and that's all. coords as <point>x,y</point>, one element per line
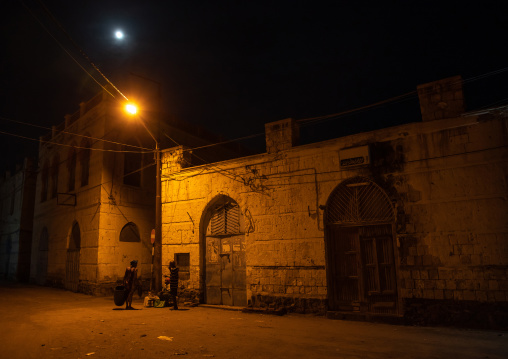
<point>173,283</point>
<point>130,280</point>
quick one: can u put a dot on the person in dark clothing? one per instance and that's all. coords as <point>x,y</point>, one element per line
<point>130,280</point>
<point>173,283</point>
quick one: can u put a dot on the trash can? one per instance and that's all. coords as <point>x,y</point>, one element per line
<point>119,295</point>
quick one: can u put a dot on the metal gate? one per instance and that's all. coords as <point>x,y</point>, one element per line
<point>72,262</point>
<point>72,270</point>
<point>225,257</point>
<point>359,249</point>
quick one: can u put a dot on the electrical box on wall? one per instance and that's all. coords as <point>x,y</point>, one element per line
<point>354,156</point>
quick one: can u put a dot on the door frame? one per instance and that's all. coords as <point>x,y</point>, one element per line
<point>388,218</point>
<point>361,285</point>
<point>205,221</point>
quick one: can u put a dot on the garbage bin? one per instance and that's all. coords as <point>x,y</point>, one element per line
<point>119,295</point>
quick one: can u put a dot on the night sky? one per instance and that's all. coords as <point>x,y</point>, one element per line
<point>232,66</point>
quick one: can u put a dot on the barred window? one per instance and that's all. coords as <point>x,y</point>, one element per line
<point>359,200</point>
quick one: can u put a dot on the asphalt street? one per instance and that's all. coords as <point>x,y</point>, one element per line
<point>39,322</point>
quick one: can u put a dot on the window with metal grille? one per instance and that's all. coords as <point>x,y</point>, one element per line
<point>226,219</point>
<point>359,200</point>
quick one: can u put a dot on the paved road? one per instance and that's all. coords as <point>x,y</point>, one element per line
<point>41,322</point>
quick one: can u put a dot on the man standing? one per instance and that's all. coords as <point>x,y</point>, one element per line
<point>173,283</point>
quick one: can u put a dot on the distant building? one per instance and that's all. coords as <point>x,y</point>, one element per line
<point>95,196</point>
<point>17,193</point>
<point>404,222</point>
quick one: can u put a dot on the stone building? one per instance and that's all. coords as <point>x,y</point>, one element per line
<point>95,196</point>
<point>403,222</point>
<point>17,193</point>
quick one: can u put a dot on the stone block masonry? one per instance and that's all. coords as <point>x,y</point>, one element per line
<point>449,228</point>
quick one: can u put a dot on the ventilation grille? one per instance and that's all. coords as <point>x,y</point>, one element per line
<point>359,201</point>
<point>226,219</point>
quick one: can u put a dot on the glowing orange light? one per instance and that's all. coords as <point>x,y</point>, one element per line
<point>131,108</point>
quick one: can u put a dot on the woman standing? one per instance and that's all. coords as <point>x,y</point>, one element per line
<point>130,281</point>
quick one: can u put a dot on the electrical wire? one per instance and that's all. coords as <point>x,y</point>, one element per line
<point>65,50</point>
<point>73,134</point>
<point>79,48</point>
<point>77,147</point>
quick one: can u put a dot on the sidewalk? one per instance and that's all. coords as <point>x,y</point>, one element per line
<point>41,322</point>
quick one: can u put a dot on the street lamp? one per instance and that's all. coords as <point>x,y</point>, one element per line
<point>157,245</point>
<point>131,108</point>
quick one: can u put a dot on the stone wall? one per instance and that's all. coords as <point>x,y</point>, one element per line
<point>16,214</point>
<point>100,208</point>
<point>451,228</point>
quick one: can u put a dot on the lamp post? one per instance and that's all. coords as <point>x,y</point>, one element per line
<point>157,245</point>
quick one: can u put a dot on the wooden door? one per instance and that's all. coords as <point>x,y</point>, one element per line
<point>379,281</point>
<point>343,273</point>
<point>225,271</point>
<point>361,269</point>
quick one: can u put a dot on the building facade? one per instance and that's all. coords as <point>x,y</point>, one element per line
<point>95,197</point>
<point>17,193</point>
<point>403,222</point>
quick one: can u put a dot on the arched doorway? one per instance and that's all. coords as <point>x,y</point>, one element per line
<point>72,263</point>
<point>360,253</point>
<point>223,248</point>
<point>132,245</point>
<point>42,258</point>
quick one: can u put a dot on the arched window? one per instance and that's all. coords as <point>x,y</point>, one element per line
<point>84,160</point>
<point>130,233</point>
<point>44,182</point>
<point>71,166</point>
<point>359,200</point>
<point>132,164</point>
<point>75,240</point>
<point>54,176</point>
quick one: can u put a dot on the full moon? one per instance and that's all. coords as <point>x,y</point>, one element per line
<point>119,34</point>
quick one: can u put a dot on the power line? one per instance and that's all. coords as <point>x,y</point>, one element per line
<point>77,147</point>
<point>79,48</point>
<point>326,117</point>
<point>73,134</point>
<point>68,53</point>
